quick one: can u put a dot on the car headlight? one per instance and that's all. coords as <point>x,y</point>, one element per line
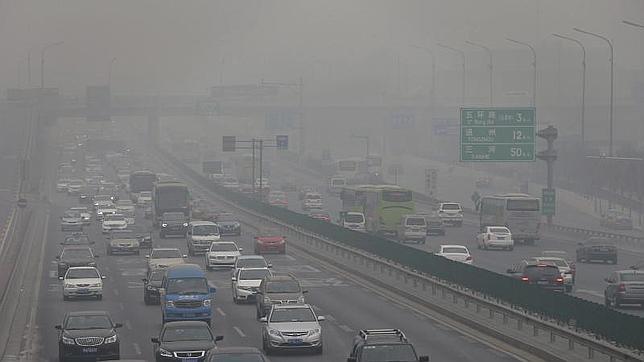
<point>274,332</point>
<point>164,225</point>
<point>185,224</point>
<point>110,339</point>
<point>165,353</point>
<point>300,299</point>
<point>206,303</point>
<point>314,332</point>
<point>67,285</point>
<point>67,340</point>
<point>267,300</point>
<point>169,304</point>
<point>99,212</point>
<point>95,285</point>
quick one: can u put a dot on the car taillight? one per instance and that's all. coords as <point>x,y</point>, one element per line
<point>559,280</point>
<point>621,288</point>
<point>525,279</point>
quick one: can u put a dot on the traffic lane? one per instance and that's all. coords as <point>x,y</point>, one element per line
<point>12,143</point>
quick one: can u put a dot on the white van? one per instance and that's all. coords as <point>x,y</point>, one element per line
<point>413,227</point>
<point>200,235</point>
<point>353,220</point>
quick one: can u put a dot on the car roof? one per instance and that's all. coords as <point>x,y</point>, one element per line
<point>76,247</point>
<point>185,324</point>
<point>185,270</point>
<point>280,277</point>
<point>202,223</point>
<point>163,249</point>
<point>87,312</point>
<point>292,306</point>
<point>252,256</point>
<point>250,269</point>
<point>226,350</point>
<point>82,267</point>
<point>453,246</point>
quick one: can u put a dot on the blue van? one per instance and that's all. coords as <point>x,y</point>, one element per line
<point>186,294</point>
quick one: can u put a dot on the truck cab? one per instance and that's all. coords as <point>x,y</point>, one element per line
<point>186,294</point>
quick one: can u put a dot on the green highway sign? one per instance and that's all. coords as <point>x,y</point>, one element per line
<point>548,201</point>
<point>497,134</point>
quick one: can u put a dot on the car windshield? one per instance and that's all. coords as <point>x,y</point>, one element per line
<point>77,239</point>
<point>555,262</point>
<point>540,270</point>
<point>632,277</point>
<point>223,247</point>
<point>191,333</point>
<point>313,197</point>
<point>251,263</point>
<point>253,274</point>
<point>114,217</point>
<point>187,286</point>
<point>451,207</point>
<point>500,230</point>
<point>523,205</point>
<point>102,198</point>
<point>145,194</point>
<point>205,230</point>
<point>454,250</point>
<point>75,254</point>
<point>165,254</point>
<point>173,216</point>
<point>283,286</point>
<point>237,357</point>
<point>292,315</point>
<point>122,234</point>
<point>82,274</point>
<point>415,221</point>
<point>389,352</point>
<point>156,275</point>
<point>72,214</point>
<point>354,218</point>
<point>88,322</point>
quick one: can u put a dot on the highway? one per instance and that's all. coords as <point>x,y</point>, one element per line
<point>12,143</point>
<point>347,306</point>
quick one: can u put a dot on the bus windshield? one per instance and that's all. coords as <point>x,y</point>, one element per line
<point>396,196</point>
<point>172,198</point>
<point>523,205</point>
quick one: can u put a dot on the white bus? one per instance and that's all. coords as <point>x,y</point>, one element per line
<point>518,212</point>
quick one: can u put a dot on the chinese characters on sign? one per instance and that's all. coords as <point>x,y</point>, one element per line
<point>497,134</point>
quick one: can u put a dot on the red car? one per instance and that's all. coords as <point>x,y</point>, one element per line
<point>324,216</point>
<point>270,244</point>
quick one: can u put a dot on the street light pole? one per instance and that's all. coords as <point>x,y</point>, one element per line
<point>583,85</point>
<point>109,73</point>
<point>489,53</point>
<point>462,54</point>
<point>612,63</point>
<point>431,53</point>
<point>534,68</point>
<point>42,62</point>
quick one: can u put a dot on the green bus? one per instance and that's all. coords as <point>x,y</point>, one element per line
<point>382,205</point>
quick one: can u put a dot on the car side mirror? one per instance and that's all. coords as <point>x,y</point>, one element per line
<point>61,278</point>
<point>219,338</point>
<point>147,256</point>
<point>263,319</point>
<point>212,290</point>
<point>102,276</point>
<point>305,291</point>
<point>580,244</point>
<point>241,249</point>
<point>58,326</point>
<point>118,325</point>
<point>270,265</point>
<point>234,279</point>
<point>321,318</point>
<point>155,340</point>
<point>184,256</point>
<point>96,256</point>
<point>423,359</point>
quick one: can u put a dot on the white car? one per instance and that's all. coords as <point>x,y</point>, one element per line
<point>353,220</point>
<point>312,200</point>
<point>82,282</point>
<point>85,215</point>
<point>74,186</point>
<point>71,221</point>
<point>113,222</point>
<point>127,209</point>
<point>250,261</point>
<point>104,208</point>
<point>458,253</point>
<point>61,184</point>
<point>451,213</point>
<point>222,254</point>
<point>495,237</point>
<point>161,258</point>
<point>246,282</point>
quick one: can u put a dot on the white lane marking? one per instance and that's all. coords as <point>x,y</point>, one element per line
<point>345,328</point>
<point>128,325</point>
<point>590,292</point>
<point>137,349</point>
<point>220,311</point>
<point>239,331</point>
<point>116,292</point>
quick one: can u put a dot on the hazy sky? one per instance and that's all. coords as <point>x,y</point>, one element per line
<point>189,45</point>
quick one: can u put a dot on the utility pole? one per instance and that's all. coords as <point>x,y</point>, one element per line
<point>253,168</point>
<point>261,177</point>
<point>612,82</point>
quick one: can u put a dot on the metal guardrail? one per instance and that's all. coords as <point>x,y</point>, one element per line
<point>465,296</point>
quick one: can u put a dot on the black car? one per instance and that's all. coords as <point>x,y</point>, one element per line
<point>383,344</point>
<point>547,276</point>
<point>173,223</point>
<point>75,256</point>
<point>89,335</point>
<point>596,249</point>
<point>228,225</point>
<point>151,285</point>
<point>184,341</point>
<point>237,354</point>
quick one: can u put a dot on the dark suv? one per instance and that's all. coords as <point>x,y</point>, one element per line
<point>624,287</point>
<point>383,345</point>
<point>72,256</point>
<point>88,336</point>
<point>596,249</point>
<point>547,276</point>
<point>278,289</point>
<point>173,223</point>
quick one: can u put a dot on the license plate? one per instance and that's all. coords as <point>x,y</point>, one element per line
<point>90,350</point>
<point>189,359</point>
<point>500,237</point>
<point>295,341</point>
<point>83,290</point>
<point>542,282</point>
<point>189,315</point>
